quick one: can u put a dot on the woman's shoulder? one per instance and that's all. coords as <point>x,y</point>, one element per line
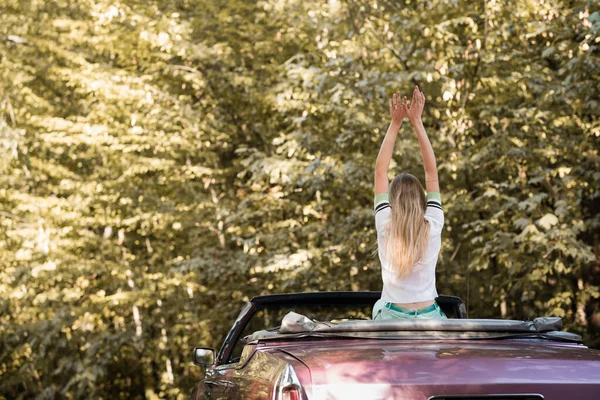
<point>382,210</point>
<point>434,200</point>
<point>434,213</point>
<point>381,201</point>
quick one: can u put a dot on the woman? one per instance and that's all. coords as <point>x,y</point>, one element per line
<point>409,224</point>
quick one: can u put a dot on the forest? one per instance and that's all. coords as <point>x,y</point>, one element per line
<point>161,162</point>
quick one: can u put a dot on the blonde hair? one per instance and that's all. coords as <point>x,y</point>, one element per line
<point>407,233</point>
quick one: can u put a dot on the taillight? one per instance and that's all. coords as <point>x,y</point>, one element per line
<point>290,394</point>
<point>288,386</point>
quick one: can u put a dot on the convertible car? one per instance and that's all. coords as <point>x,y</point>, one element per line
<point>317,346</point>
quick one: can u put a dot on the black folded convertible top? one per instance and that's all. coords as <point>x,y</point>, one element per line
<point>295,325</point>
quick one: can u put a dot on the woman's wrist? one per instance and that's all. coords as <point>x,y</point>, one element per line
<point>416,121</point>
<point>395,124</point>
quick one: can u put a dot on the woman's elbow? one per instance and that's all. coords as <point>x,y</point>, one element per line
<point>431,174</point>
<point>381,166</point>
<point>380,170</point>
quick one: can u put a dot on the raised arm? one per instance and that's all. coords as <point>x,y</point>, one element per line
<point>397,112</point>
<point>414,116</point>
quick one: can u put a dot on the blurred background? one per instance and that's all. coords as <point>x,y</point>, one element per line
<point>164,161</point>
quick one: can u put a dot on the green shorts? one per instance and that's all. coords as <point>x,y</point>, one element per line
<point>384,310</point>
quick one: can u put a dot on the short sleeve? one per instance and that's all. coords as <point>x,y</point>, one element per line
<point>434,212</point>
<point>382,211</point>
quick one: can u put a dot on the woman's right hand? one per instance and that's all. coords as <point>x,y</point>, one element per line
<point>397,109</point>
<point>416,105</point>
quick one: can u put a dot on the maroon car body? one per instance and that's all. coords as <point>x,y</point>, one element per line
<point>330,362</point>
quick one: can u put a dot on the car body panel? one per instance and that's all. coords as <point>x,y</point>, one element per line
<point>370,369</point>
<point>390,367</point>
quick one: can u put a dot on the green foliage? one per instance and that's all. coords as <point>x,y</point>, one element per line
<point>163,161</point>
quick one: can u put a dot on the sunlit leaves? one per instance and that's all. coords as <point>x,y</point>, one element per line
<point>163,162</point>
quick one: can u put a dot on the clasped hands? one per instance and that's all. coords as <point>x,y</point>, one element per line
<point>401,109</point>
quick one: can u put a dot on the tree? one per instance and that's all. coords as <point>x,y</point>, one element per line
<point>164,162</point>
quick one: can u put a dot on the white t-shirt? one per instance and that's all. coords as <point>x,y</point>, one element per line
<point>420,284</point>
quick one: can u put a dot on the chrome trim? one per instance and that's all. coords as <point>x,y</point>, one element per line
<point>288,379</point>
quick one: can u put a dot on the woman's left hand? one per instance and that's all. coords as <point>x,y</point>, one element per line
<point>398,111</point>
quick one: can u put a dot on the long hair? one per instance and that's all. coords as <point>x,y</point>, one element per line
<point>407,233</point>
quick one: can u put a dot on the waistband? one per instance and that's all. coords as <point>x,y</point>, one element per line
<point>394,307</point>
